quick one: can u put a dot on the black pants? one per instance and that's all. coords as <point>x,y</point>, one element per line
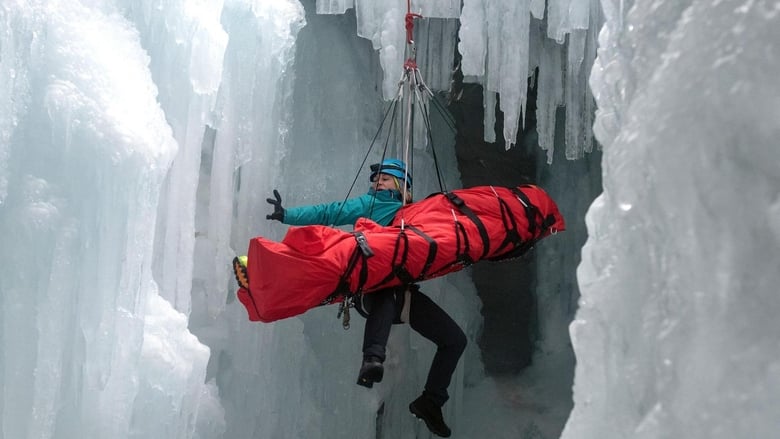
<point>428,320</point>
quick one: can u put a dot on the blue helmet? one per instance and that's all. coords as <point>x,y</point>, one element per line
<point>393,167</point>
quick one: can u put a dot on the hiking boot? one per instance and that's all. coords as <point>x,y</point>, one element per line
<point>430,412</point>
<point>371,372</point>
<point>239,269</point>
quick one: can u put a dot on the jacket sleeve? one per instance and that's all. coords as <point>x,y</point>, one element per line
<point>336,213</point>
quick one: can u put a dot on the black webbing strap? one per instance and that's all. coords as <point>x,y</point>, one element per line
<point>398,269</point>
<point>546,222</point>
<point>531,212</point>
<point>462,256</point>
<point>433,248</point>
<point>461,205</point>
<point>535,226</point>
<point>510,225</point>
<point>361,253</point>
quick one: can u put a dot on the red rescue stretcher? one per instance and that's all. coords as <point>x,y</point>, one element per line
<point>318,265</point>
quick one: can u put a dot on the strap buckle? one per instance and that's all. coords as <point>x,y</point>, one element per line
<point>363,244</point>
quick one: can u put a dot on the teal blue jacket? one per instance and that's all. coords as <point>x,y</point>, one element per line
<point>385,204</point>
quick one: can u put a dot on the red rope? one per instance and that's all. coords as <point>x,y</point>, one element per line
<point>410,25</point>
<point>410,63</point>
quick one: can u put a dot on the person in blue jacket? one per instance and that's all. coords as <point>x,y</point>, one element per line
<point>391,184</point>
<point>380,203</point>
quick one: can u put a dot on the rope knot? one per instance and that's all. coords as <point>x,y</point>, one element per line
<point>410,25</point>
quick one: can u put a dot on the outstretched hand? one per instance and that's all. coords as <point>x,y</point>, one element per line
<point>278,213</point>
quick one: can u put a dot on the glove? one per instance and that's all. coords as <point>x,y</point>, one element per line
<point>278,213</point>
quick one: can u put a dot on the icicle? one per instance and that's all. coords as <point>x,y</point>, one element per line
<point>436,8</point>
<point>473,38</point>
<point>490,116</point>
<point>535,39</point>
<point>537,9</point>
<point>549,94</point>
<point>579,14</point>
<point>574,84</point>
<point>493,54</point>
<point>591,48</point>
<point>558,20</point>
<point>436,40</point>
<point>334,6</point>
<point>513,83</point>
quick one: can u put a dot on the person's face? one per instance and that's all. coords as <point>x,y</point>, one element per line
<point>383,181</point>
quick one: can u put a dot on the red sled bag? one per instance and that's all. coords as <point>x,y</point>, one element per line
<point>317,265</point>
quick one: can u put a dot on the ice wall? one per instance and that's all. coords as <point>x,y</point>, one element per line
<point>677,330</point>
<point>186,45</point>
<point>138,142</point>
<point>87,344</point>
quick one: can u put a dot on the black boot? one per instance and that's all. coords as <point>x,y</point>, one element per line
<point>371,372</point>
<point>430,412</point>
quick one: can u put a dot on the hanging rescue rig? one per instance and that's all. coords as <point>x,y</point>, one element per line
<point>446,232</point>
